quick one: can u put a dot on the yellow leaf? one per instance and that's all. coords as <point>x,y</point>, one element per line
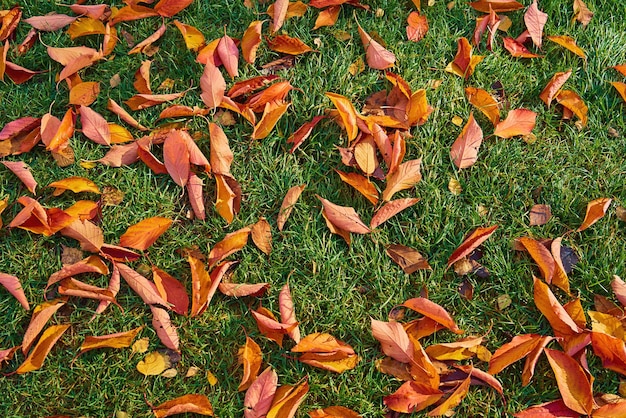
<point>210,377</point>
<point>141,345</point>
<point>153,364</point>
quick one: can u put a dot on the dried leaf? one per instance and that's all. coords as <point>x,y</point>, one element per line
<point>404,177</point>
<point>230,244</point>
<point>391,209</point>
<point>540,215</point>
<point>95,127</point>
<point>213,86</point>
<point>621,88</point>
<point>394,340</point>
<point>251,41</point>
<point>568,43</point>
<point>327,17</point>
<point>176,158</point>
<point>498,6</point>
<point>333,412</point>
<point>464,151</point>
<point>551,89</point>
<point>194,39</point>
<point>376,55</point>
<point>287,400</point>
<point>407,258</point>
<point>611,351</point>
<point>572,380</point>
<point>453,400</point>
<point>557,316</point>
<point>165,330</point>
<point>343,217</point>
<point>433,311</point>
<point>142,286</point>
<point>259,396</point>
<point>582,12</point>
<point>596,209</point>
<point>143,234</point>
<point>287,45</point>
<point>251,357</point>
<point>518,348</point>
<point>172,290</point>
<point>347,113</point>
<point>553,409</point>
<point>484,102</point>
<point>542,257</point>
<point>262,236</point>
<point>417,27</point>
<point>51,22</point>
<point>518,122</point>
<point>412,397</point>
<point>153,364</point>
<point>288,313</point>
<point>117,340</point>
<point>518,50</point>
<point>13,285</point>
<point>290,199</point>
<point>535,20</point>
<point>271,114</point>
<point>39,353</point>
<point>195,404</point>
<point>229,55</point>
<point>477,237</point>
<point>147,43</point>
<point>22,171</point>
<point>464,62</point>
<point>572,101</point>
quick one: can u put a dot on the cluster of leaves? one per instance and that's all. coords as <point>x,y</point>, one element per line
<point>374,154</point>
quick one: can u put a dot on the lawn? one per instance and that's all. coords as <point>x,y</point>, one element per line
<point>336,288</point>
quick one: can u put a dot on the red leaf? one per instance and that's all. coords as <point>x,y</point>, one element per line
<point>553,409</point>
<point>391,209</point>
<point>22,171</point>
<point>596,209</point>
<point>172,290</point>
<point>259,396</point>
<point>95,127</point>
<point>572,380</point>
<point>168,8</point>
<point>13,285</point>
<point>517,122</point>
<point>464,151</point>
<point>477,237</point>
<point>302,133</point>
<point>516,349</point>
<point>517,49</point>
<point>535,20</point>
<point>343,217</point>
<point>376,55</point>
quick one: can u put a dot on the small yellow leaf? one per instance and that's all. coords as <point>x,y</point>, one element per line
<point>455,187</point>
<point>153,364</point>
<point>457,120</point>
<point>210,377</point>
<point>193,370</point>
<point>357,67</point>
<point>87,165</point>
<point>141,345</point>
<point>169,373</point>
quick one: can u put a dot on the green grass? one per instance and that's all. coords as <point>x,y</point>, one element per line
<point>336,288</point>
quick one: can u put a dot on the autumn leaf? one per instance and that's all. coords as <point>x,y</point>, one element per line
<point>51,22</point>
<point>290,199</point>
<point>462,349</point>
<point>535,20</point>
<point>391,209</point>
<point>194,39</point>
<point>464,62</point>
<point>250,356</point>
<point>259,396</point>
<point>302,133</point>
<point>143,234</point>
<point>518,122</point>
<point>230,244</point>
<point>572,381</point>
<point>95,127</point>
<point>621,88</point>
<point>453,400</point>
<point>433,311</point>
<point>38,355</point>
<point>551,89</point>
<point>376,55</point>
<point>517,49</point>
<point>516,349</point>
<point>195,404</point>
<point>568,43</point>
<point>553,409</point>
<point>41,315</point>
<point>262,236</point>
<point>557,316</point>
<point>404,177</point>
<point>229,55</point>
<point>13,285</point>
<point>407,258</point>
<point>146,290</point>
<point>412,397</point>
<point>542,257</point>
<point>287,45</point>
<point>464,151</point>
<point>472,242</point>
<point>287,399</point>
<point>611,351</point>
<point>271,114</point>
<point>327,17</point>
<point>172,290</point>
<point>486,6</point>
<point>251,41</point>
<point>288,313</point>
<point>176,158</point>
<point>394,340</point>
<point>343,217</point>
<point>484,102</point>
<point>22,171</point>
<point>582,12</point>
<point>164,328</point>
<point>213,86</point>
<point>417,27</point>
<point>146,43</point>
<point>347,112</point>
<point>596,209</point>
<point>572,101</point>
<point>116,340</point>
<point>333,412</point>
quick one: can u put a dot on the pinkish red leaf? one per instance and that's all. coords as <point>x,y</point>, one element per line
<point>163,326</point>
<point>176,159</point>
<point>464,151</point>
<point>142,286</point>
<point>376,55</point>
<point>391,209</point>
<point>259,396</point>
<point>213,86</point>
<point>22,171</point>
<point>13,285</point>
<point>288,313</point>
<point>535,20</point>
<point>343,217</point>
<point>394,340</point>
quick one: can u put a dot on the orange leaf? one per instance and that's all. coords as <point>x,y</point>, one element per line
<point>146,290</point>
<point>172,290</point>
<point>7,354</point>
<point>13,285</point>
<point>302,133</point>
<point>464,62</point>
<point>551,89</point>
<point>141,46</point>
<point>518,348</point>
<point>568,43</point>
<point>326,352</point>
<point>251,357</point>
<point>418,109</point>
<point>125,116</point>
<point>433,311</point>
<point>582,12</point>
<point>225,198</point>
<point>269,326</point>
<point>404,177</point>
<point>557,316</point>
<point>611,351</point>
<point>117,340</point>
<point>243,289</point>
<point>176,158</point>
<point>287,400</point>
<point>262,236</point>
<point>259,396</point>
<point>542,257</point>
<point>231,243</point>
<point>251,40</point>
<point>621,88</point>
<point>484,102</point>
<point>213,86</point>
<point>41,314</point>
<point>361,184</point>
<point>168,8</point>
<point>407,258</point>
<point>394,340</point>
<point>163,326</point>
<point>194,39</point>
<point>201,285</point>
<point>497,6</point>
<point>517,49</point>
<point>343,217</point>
<point>86,233</point>
<point>596,209</point>
<point>453,400</point>
<point>532,358</point>
<point>464,151</point>
<point>195,404</point>
<point>143,234</point>
<point>144,101</point>
<point>535,20</point>
<point>412,397</point>
<point>365,155</point>
<point>272,113</point>
<point>290,199</point>
<point>575,103</point>
<point>560,276</point>
<point>280,13</point>
<point>477,237</point>
<point>417,28</point>
<point>86,26</point>
<point>333,412</point>
<point>391,209</point>
<point>60,139</point>
<point>572,380</point>
<point>75,184</point>
<point>347,113</point>
<point>376,55</point>
<point>39,353</point>
<point>288,313</point>
<point>518,122</point>
<point>221,156</point>
<point>84,94</point>
<point>459,350</point>
<point>288,45</point>
<point>620,68</point>
<point>327,17</point>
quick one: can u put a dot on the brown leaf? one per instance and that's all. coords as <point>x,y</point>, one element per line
<point>251,357</point>
<point>433,311</point>
<point>288,313</point>
<point>259,396</point>
<point>572,380</point>
<point>417,27</point>
<point>464,151</point>
<point>582,12</point>
<point>404,177</point>
<point>518,122</point>
<point>412,397</point>
<point>39,353</point>
<point>407,258</point>
<point>287,45</point>
<point>535,20</point>
<point>596,209</point>
<point>163,326</point>
<point>262,236</point>
<point>290,199</point>
<point>230,244</point>
<point>117,340</point>
<point>391,209</point>
<point>551,89</point>
<point>343,217</point>
<point>568,43</point>
<point>477,237</point>
<point>376,55</point>
<point>540,215</point>
<point>196,404</point>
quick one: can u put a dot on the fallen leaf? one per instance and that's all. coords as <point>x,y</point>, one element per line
<point>517,49</point>
<point>243,289</point>
<point>553,409</point>
<point>165,330</point>
<point>557,316</point>
<point>572,380</point>
<point>535,20</point>
<point>542,256</point>
<point>230,244</point>
<point>287,400</point>
<point>486,6</point>
<point>124,115</point>
<point>22,171</point>
<point>251,41</point>
<point>327,17</point>
<point>333,412</point>
<point>464,62</point>
<point>172,290</point>
<point>13,285</point>
<point>551,89</point>
<point>194,39</point>
<point>568,43</point>
<point>229,55</point>
<point>38,355</point>
<point>95,127</point>
<point>453,400</point>
<point>596,209</point>
<point>472,242</point>
<point>407,258</point>
<point>518,122</point>
<point>611,351</point>
<point>412,397</point>
<point>287,45</point>
<point>117,340</point>
<point>195,404</point>
<point>433,311</point>
<point>169,8</point>
<point>141,345</point>
<point>343,217</point>
<point>262,236</point>
<point>176,158</point>
<point>404,177</point>
<point>391,209</point>
<point>271,114</point>
<point>621,88</point>
<point>484,102</point>
<point>153,364</point>
<point>394,340</point>
<point>51,22</point>
<point>582,12</point>
<point>258,399</point>
<point>279,14</point>
<point>572,101</point>
<point>213,86</point>
<point>143,234</point>
<point>464,151</point>
<point>417,27</point>
<point>347,113</point>
<point>290,199</point>
<point>146,43</point>
<point>146,290</point>
<point>540,215</point>
<point>376,55</point>
<point>250,356</point>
